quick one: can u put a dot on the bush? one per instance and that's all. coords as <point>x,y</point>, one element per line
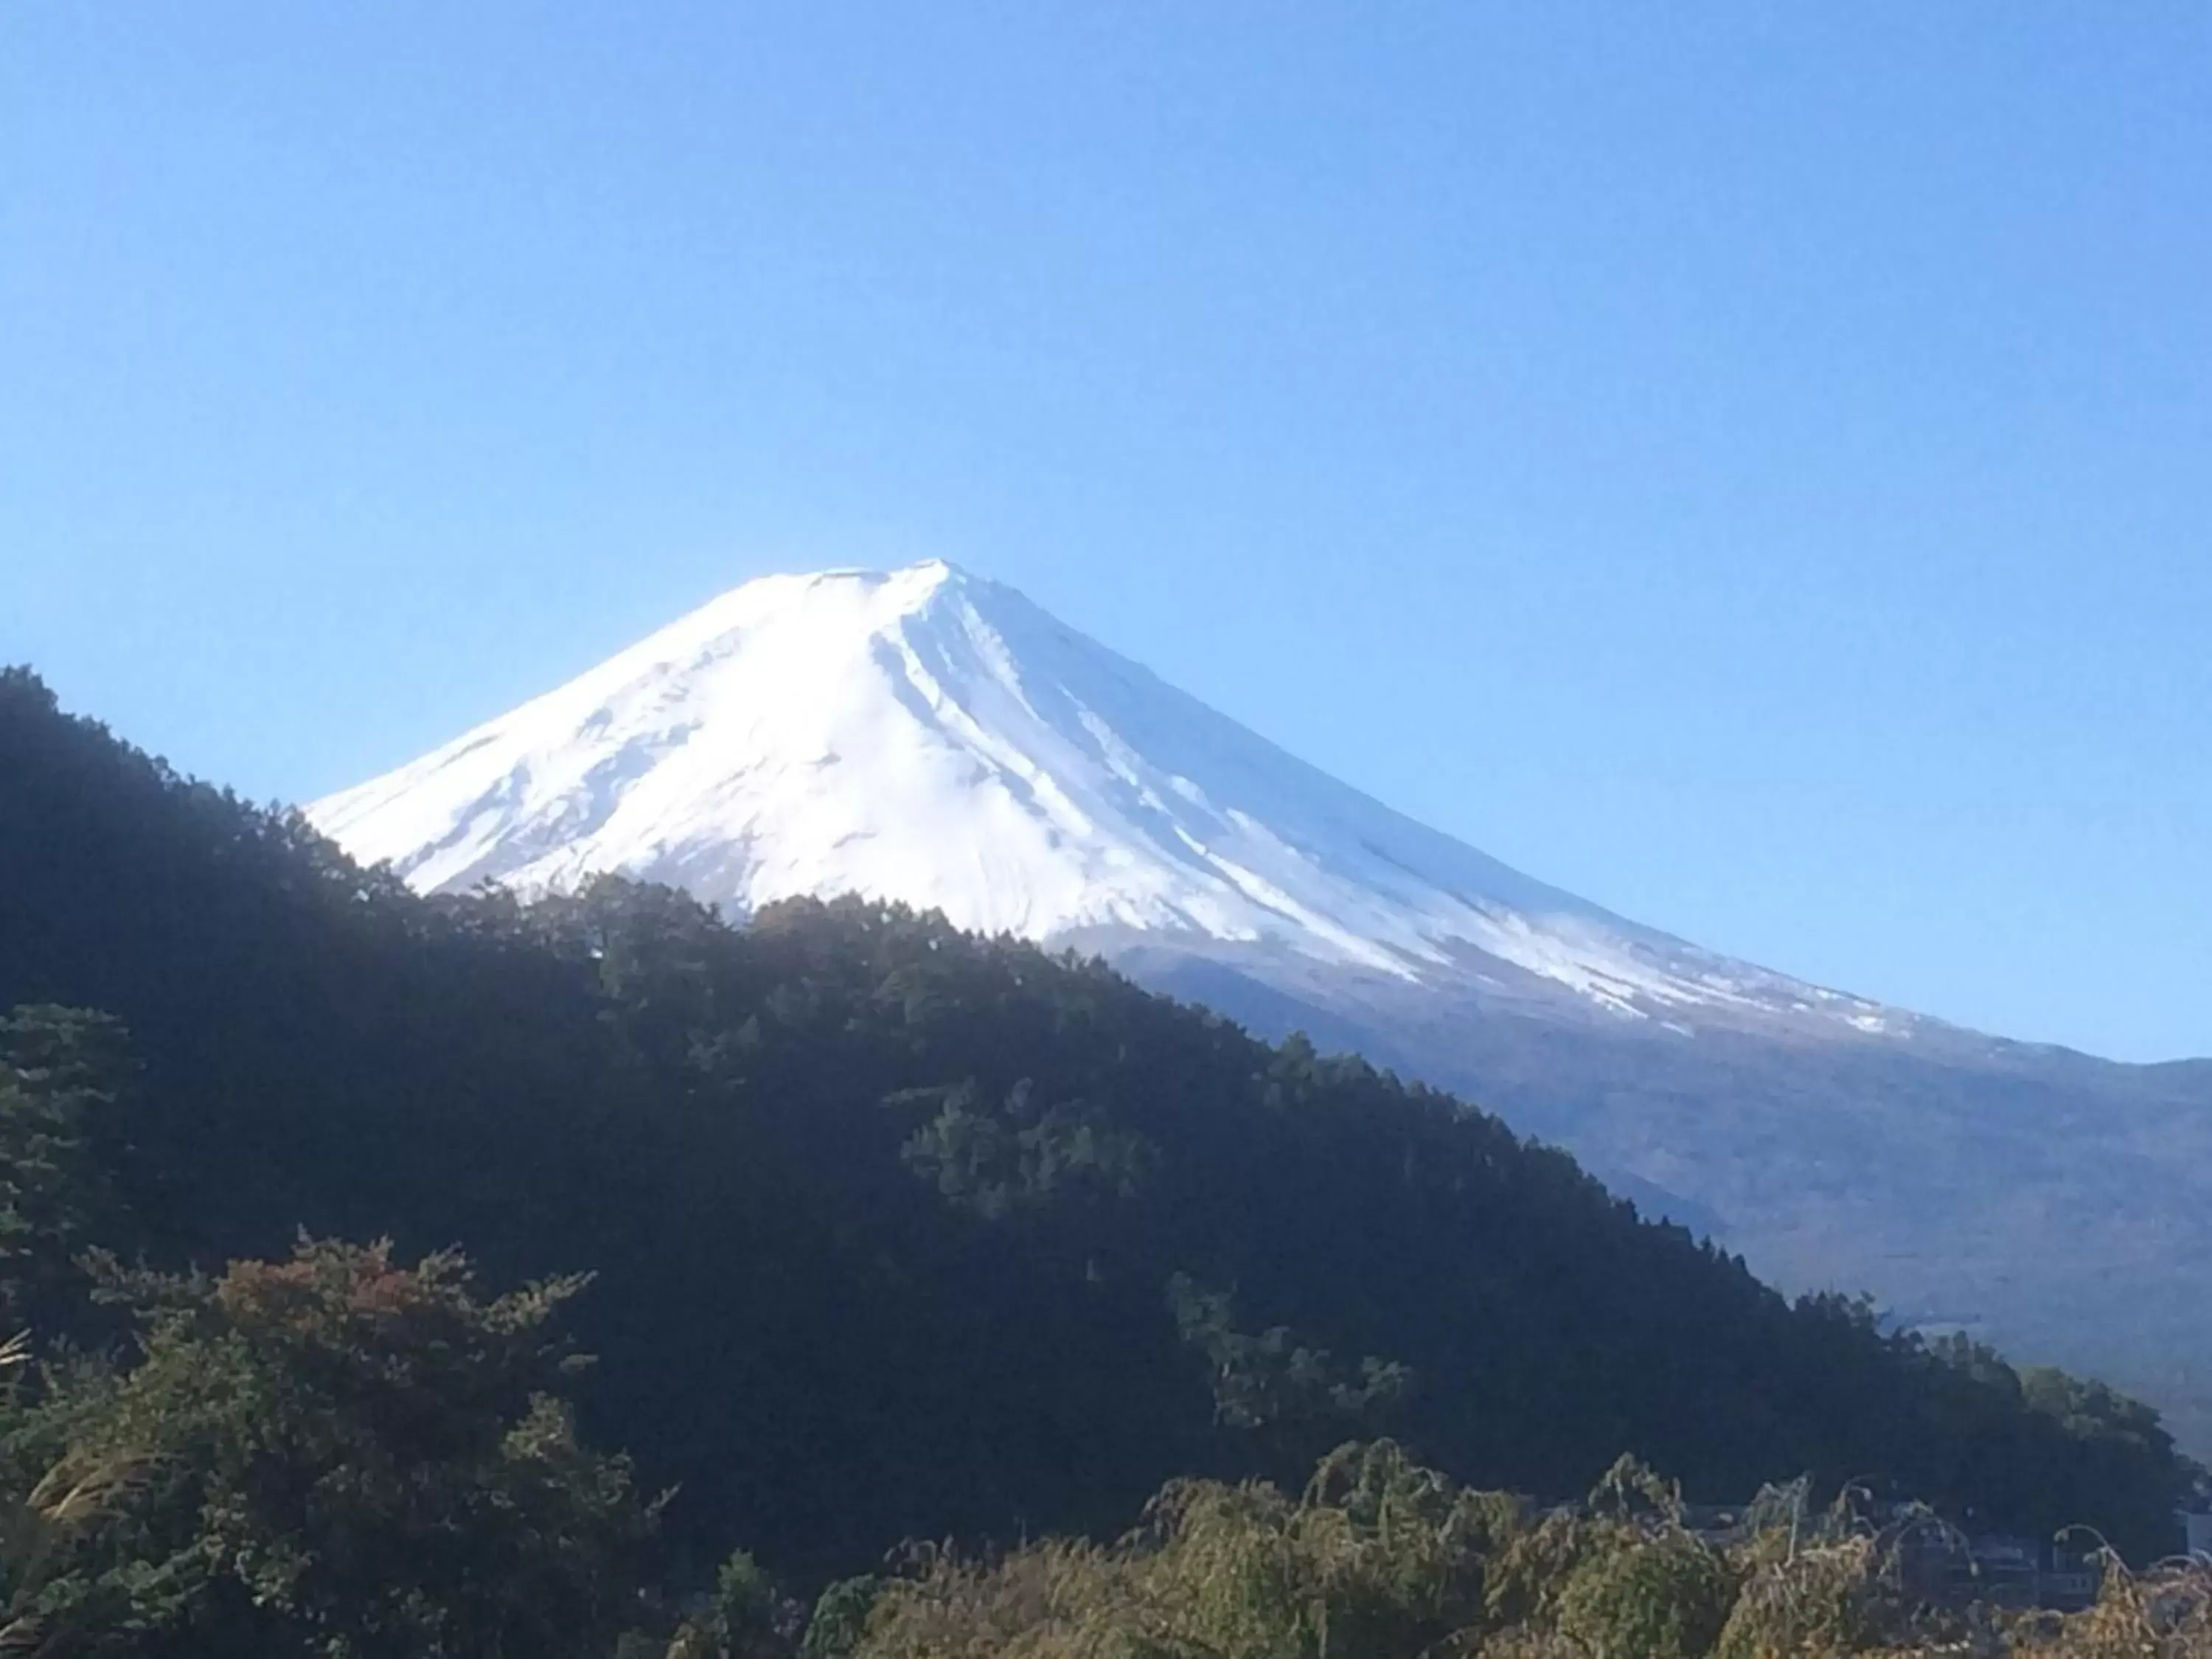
<point>1814,1602</point>
<point>1380,1559</point>
<point>1665,1598</point>
<point>332,1455</point>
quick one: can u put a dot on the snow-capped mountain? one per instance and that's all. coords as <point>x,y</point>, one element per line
<point>928,736</point>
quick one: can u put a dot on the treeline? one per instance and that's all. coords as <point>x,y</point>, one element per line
<point>899,1232</point>
<point>342,1457</point>
<point>343,1454</point>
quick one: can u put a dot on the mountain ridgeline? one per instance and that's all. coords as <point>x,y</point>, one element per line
<point>902,1231</point>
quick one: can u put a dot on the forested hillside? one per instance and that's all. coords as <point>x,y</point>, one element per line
<point>898,1231</point>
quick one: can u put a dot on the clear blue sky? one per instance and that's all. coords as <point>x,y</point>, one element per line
<point>1750,462</point>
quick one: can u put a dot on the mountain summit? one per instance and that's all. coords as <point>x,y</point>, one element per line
<point>928,736</point>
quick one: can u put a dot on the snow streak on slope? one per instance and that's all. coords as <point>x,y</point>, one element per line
<point>933,738</point>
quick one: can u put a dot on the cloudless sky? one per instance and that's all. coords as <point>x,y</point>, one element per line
<point>1748,463</point>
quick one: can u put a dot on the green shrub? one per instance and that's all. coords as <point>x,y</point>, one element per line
<point>1665,1598</point>
<point>1812,1602</point>
<point>840,1616</point>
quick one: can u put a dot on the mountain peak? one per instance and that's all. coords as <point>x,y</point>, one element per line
<point>926,735</point>
<point>916,584</point>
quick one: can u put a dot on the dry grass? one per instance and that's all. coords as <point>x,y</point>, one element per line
<point>1382,1559</point>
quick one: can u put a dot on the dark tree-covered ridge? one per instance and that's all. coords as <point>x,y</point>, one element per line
<point>902,1231</point>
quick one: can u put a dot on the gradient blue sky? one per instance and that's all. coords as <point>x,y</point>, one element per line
<point>1748,463</point>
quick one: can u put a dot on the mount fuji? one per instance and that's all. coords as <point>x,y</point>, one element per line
<point>933,738</point>
<point>928,736</point>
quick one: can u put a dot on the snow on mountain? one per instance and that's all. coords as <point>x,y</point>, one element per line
<point>928,736</point>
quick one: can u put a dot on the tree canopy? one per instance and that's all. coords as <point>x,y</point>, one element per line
<point>901,1231</point>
